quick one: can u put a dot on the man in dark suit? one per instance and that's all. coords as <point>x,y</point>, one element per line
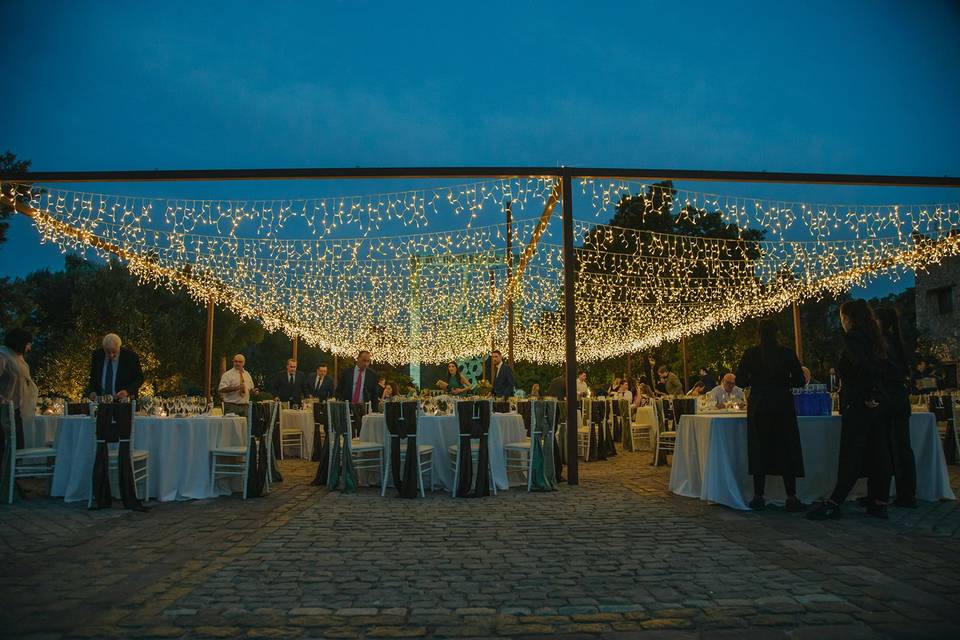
<point>114,371</point>
<point>558,387</point>
<point>503,384</point>
<point>290,385</point>
<point>359,383</point>
<point>319,384</point>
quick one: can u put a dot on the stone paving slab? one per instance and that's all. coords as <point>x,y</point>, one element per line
<point>616,557</point>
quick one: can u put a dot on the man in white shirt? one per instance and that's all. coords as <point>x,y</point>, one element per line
<point>582,389</point>
<point>726,392</point>
<point>235,387</point>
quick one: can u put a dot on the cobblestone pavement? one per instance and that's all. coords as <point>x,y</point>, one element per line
<point>615,557</point>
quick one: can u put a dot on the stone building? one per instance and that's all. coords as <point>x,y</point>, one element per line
<point>938,314</point>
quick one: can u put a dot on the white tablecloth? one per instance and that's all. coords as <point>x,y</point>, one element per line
<point>301,419</point>
<point>442,431</point>
<point>179,454</point>
<point>710,461</point>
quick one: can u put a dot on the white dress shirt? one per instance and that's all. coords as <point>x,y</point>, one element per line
<point>232,378</point>
<point>719,395</point>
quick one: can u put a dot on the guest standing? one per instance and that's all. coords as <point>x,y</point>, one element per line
<point>235,387</point>
<point>897,411</point>
<point>864,434</point>
<point>773,439</point>
<point>583,389</point>
<point>503,384</point>
<point>709,382</point>
<point>359,383</point>
<point>16,384</point>
<point>114,370</point>
<point>833,381</point>
<point>558,388</point>
<point>671,383</point>
<point>290,385</point>
<point>319,384</point>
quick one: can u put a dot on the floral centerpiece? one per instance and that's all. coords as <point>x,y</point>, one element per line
<point>484,388</point>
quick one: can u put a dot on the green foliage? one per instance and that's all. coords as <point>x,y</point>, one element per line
<point>9,162</point>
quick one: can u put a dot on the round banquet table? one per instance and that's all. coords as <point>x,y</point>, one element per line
<point>710,460</point>
<point>442,432</point>
<point>301,419</point>
<point>179,450</point>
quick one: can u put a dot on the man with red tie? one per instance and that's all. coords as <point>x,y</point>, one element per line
<point>359,383</point>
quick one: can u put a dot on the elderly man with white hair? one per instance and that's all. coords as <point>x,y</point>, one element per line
<point>235,387</point>
<point>114,370</point>
<point>727,392</point>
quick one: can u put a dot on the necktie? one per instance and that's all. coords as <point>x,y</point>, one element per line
<point>109,385</point>
<point>291,378</point>
<point>319,380</point>
<point>357,387</point>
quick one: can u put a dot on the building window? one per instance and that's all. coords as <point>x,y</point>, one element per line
<point>942,300</point>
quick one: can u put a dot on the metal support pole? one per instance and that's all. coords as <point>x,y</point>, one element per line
<point>336,369</point>
<point>493,328</point>
<point>208,354</point>
<point>797,338</point>
<point>630,368</point>
<point>296,343</point>
<point>686,371</point>
<point>570,329</point>
<point>509,281</point>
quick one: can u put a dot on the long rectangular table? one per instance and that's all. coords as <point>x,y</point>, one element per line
<point>442,432</point>
<point>710,461</point>
<point>179,450</point>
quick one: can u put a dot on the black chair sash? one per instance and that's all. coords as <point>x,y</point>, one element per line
<point>78,408</point>
<point>501,406</point>
<point>257,469</point>
<point>474,420</point>
<point>357,411</point>
<point>560,442</point>
<point>523,408</point>
<point>401,419</point>
<point>320,447</point>
<point>275,450</point>
<point>114,424</point>
<point>683,407</point>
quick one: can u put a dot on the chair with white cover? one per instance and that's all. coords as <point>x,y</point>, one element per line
<point>233,461</point>
<point>534,456</point>
<point>116,423</point>
<point>349,455</point>
<point>403,424</point>
<point>34,462</point>
<point>586,431</point>
<point>472,448</point>
<point>641,427</point>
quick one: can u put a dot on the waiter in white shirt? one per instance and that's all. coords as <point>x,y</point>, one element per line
<point>235,387</point>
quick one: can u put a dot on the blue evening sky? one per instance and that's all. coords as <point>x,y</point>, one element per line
<point>838,86</point>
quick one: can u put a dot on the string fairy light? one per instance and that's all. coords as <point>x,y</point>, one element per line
<point>437,295</point>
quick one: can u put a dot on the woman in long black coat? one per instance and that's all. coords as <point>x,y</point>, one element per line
<point>773,439</point>
<point>896,381</point>
<point>864,433</point>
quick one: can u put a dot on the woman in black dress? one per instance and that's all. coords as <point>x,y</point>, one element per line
<point>896,383</point>
<point>864,433</point>
<point>773,439</point>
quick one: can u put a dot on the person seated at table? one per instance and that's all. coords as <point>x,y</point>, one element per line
<point>623,391</point>
<point>697,389</point>
<point>642,394</point>
<point>557,388</point>
<point>614,387</point>
<point>925,378</point>
<point>727,392</point>
<point>114,370</point>
<point>320,385</point>
<point>773,438</point>
<point>16,384</point>
<point>290,385</point>
<point>388,391</point>
<point>709,382</point>
<point>235,387</point>
<point>535,390</point>
<point>671,383</point>
<point>456,383</point>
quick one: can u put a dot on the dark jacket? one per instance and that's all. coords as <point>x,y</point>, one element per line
<point>503,386</point>
<point>558,388</point>
<point>773,438</point>
<point>369,393</point>
<point>129,375</point>
<point>325,392</point>
<point>286,392</point>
